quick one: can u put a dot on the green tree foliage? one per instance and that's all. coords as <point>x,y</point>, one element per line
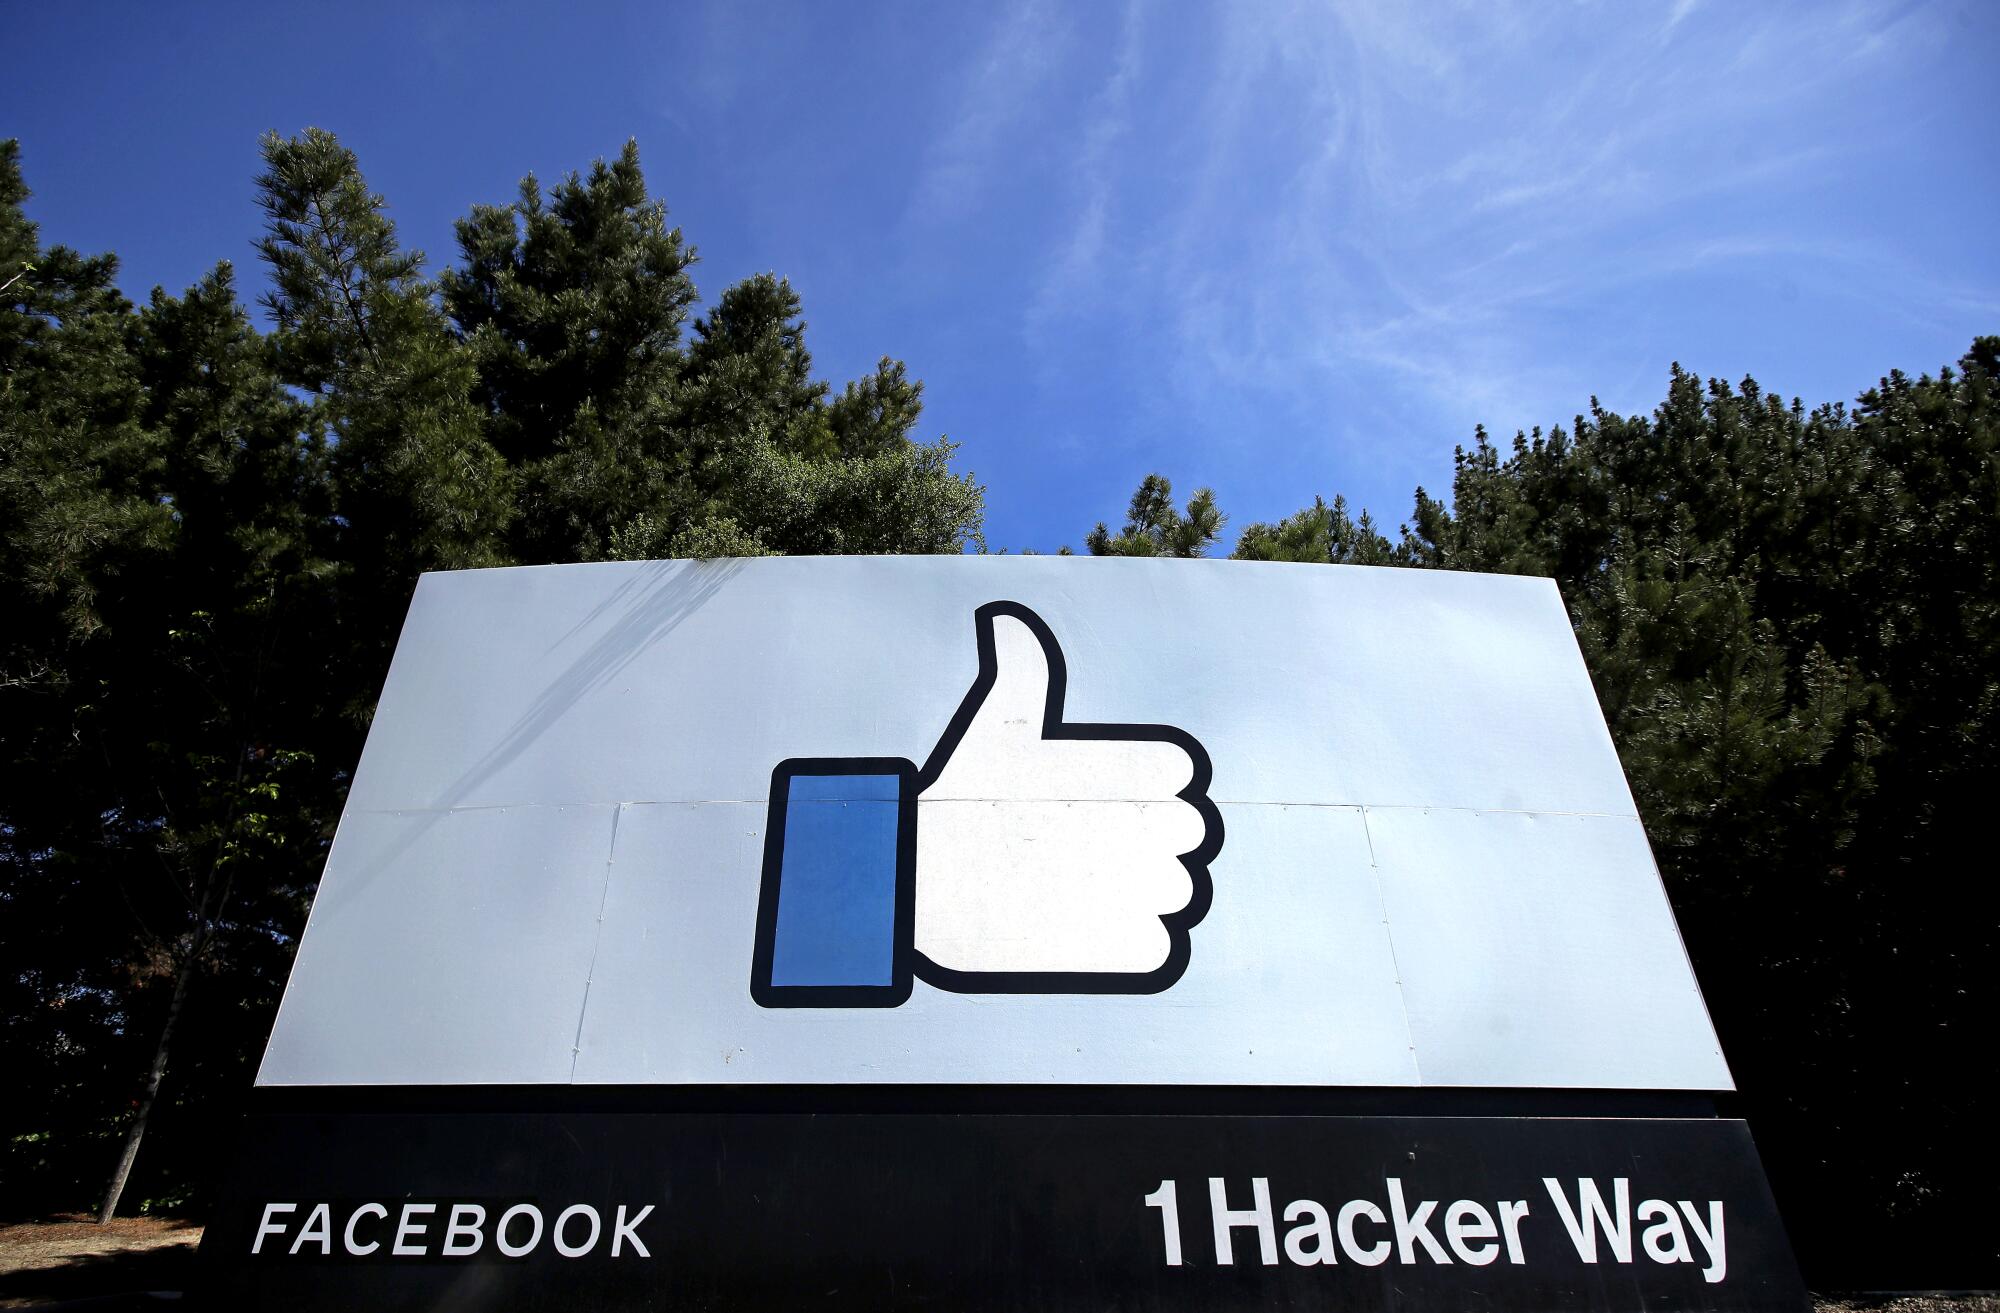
<point>768,463</point>
<point>416,484</point>
<point>208,535</point>
<point>1154,528</point>
<point>159,496</point>
<point>1792,619</point>
<point>1320,534</point>
<point>573,308</point>
<point>633,442</point>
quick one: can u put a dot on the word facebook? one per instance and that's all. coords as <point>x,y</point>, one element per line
<point>432,1230</point>
<point>1466,1231</point>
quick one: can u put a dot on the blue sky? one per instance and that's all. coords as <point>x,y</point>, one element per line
<point>1278,249</point>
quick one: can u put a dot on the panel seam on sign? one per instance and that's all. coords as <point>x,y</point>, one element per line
<point>1220,802</point>
<point>596,943</point>
<point>1389,933</point>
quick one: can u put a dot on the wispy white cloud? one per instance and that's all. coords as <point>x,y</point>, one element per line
<point>1306,246</point>
<point>1079,250</point>
<point>1009,71</point>
<point>1391,201</point>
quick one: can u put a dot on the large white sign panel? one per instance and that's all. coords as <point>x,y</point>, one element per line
<point>1002,820</point>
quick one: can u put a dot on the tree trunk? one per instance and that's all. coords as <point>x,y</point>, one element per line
<point>138,1130</point>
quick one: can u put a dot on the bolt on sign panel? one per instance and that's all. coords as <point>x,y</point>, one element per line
<point>1045,876</point>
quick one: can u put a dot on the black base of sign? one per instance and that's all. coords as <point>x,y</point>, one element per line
<point>701,1209</point>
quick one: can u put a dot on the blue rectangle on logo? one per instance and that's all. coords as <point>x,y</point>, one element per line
<point>836,921</point>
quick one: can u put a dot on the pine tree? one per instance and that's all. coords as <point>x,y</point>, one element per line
<point>80,525</point>
<point>162,495</point>
<point>760,459</point>
<point>574,310</point>
<point>631,443</point>
<point>1154,528</point>
<point>1320,534</point>
<point>416,484</point>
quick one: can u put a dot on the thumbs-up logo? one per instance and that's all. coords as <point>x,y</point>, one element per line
<point>1028,855</point>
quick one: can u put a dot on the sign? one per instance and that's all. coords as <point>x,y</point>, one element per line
<point>985,1211</point>
<point>829,846</point>
<point>1410,855</point>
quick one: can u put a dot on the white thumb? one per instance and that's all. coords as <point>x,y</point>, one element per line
<point>1026,663</point>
